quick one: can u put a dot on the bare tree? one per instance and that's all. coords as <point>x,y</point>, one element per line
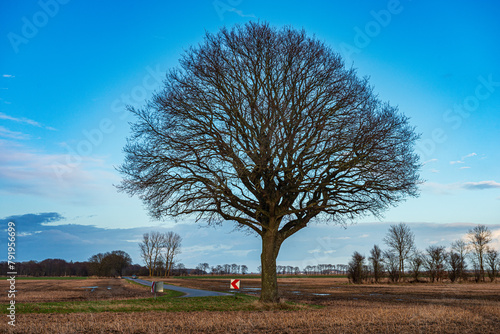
<point>151,246</point>
<point>479,237</point>
<point>435,262</point>
<point>203,267</point>
<point>402,242</point>
<point>170,249</point>
<point>416,264</point>
<point>453,260</point>
<point>244,269</point>
<point>492,260</point>
<point>391,261</point>
<point>356,271</point>
<point>461,249</point>
<point>376,260</point>
<point>267,129</point>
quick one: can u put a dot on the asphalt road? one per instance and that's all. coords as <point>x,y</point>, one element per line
<point>188,292</point>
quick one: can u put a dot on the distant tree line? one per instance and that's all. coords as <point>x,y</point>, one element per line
<point>236,269</point>
<point>224,269</point>
<point>110,264</point>
<point>470,258</point>
<point>49,267</point>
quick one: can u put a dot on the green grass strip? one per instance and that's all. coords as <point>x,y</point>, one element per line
<point>167,302</point>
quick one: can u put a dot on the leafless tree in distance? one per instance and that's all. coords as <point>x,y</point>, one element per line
<point>376,262</point>
<point>416,264</point>
<point>171,248</point>
<point>151,246</point>
<point>402,241</point>
<point>492,261</point>
<point>356,272</point>
<point>266,128</point>
<point>391,261</point>
<point>435,262</point>
<point>460,247</point>
<point>479,237</point>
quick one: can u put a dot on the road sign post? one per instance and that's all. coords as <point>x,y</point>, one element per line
<point>157,287</point>
<point>235,284</point>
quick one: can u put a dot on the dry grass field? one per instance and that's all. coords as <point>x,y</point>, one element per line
<point>72,290</point>
<point>344,308</point>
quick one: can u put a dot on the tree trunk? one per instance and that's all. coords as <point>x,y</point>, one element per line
<point>269,281</point>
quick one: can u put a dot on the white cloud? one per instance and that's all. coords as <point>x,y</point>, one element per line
<point>480,185</point>
<point>239,252</point>
<point>429,161</point>
<point>469,156</point>
<point>240,13</point>
<point>206,248</point>
<point>8,76</point>
<point>25,121</point>
<point>6,133</point>
<point>465,167</point>
<point>434,171</point>
<point>440,188</point>
<point>29,172</point>
<point>495,239</point>
<point>461,161</point>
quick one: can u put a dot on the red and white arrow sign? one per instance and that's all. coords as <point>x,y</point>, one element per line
<point>235,284</point>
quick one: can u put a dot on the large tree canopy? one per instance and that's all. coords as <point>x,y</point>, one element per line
<point>267,128</point>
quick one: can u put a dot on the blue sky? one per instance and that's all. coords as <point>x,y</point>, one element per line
<point>68,68</point>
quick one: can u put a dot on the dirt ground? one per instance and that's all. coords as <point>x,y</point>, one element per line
<point>31,291</point>
<point>346,308</point>
<point>323,291</point>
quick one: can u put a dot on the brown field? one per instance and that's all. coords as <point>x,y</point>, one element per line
<point>72,290</point>
<point>370,308</point>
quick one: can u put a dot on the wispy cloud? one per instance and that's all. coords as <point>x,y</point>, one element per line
<point>6,133</point>
<point>481,185</point>
<point>469,155</point>
<point>461,161</point>
<point>240,13</point>
<point>8,76</point>
<point>446,189</point>
<point>465,167</point>
<point>24,120</point>
<point>28,171</point>
<point>429,161</point>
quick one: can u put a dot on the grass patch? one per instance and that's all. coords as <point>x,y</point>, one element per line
<point>138,284</point>
<point>166,303</point>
